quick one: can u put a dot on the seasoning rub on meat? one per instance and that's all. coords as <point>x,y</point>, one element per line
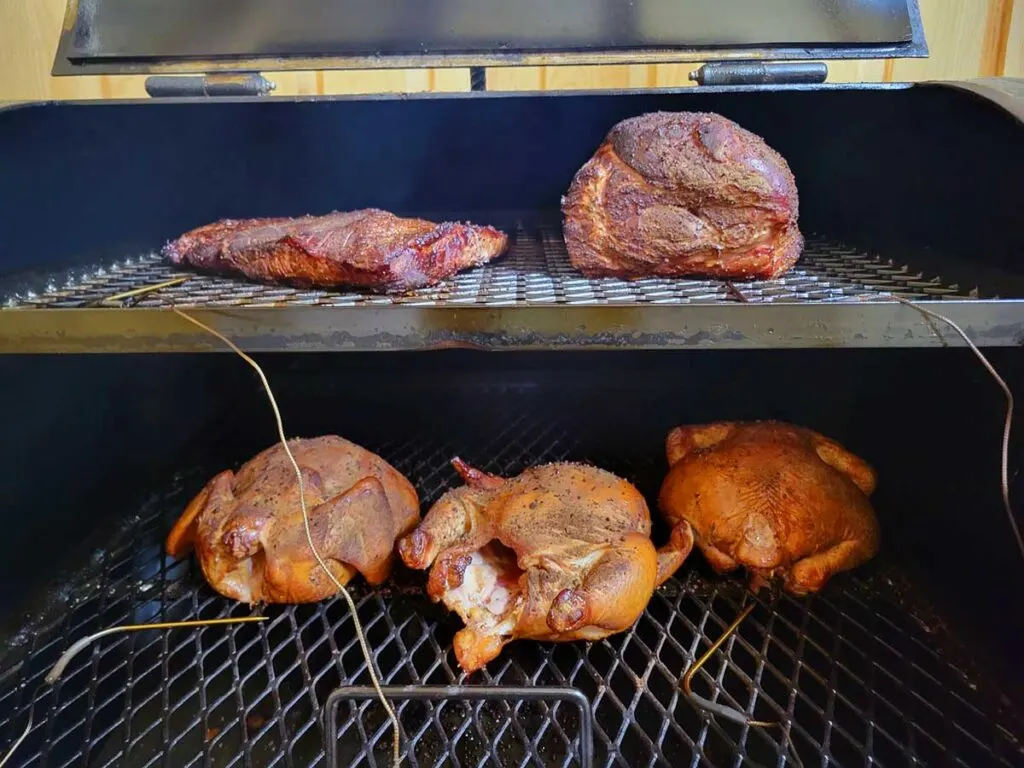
<point>370,249</point>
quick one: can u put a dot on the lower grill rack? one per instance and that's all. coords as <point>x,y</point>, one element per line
<point>851,683</point>
<point>854,676</point>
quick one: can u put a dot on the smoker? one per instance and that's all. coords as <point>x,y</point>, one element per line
<point>117,412</point>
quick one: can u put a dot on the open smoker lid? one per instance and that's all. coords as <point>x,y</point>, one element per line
<point>119,36</point>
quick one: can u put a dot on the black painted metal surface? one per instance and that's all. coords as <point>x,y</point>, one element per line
<point>871,670</point>
<point>136,29</point>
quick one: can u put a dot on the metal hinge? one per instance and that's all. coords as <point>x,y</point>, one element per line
<point>239,84</point>
<point>478,78</point>
<point>760,73</point>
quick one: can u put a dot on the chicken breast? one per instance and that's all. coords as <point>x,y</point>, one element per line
<point>773,498</point>
<point>682,193</point>
<point>560,552</point>
<point>250,538</point>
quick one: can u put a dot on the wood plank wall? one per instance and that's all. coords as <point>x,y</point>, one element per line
<point>968,38</point>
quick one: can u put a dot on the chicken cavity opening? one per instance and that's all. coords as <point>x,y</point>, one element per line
<point>490,596</point>
<point>243,580</point>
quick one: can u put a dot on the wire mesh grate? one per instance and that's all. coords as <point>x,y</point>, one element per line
<point>536,271</point>
<point>854,676</point>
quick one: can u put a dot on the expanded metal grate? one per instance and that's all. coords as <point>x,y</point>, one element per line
<point>855,674</point>
<point>536,271</point>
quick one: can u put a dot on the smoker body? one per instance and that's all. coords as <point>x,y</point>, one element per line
<point>905,190</point>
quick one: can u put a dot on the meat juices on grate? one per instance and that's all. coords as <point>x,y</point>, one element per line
<point>560,552</point>
<point>773,498</point>
<point>683,193</point>
<point>250,539</point>
<point>368,249</point>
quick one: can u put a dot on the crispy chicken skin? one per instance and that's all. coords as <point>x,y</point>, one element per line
<point>250,539</point>
<point>773,498</point>
<point>560,552</point>
<point>368,249</point>
<point>682,193</point>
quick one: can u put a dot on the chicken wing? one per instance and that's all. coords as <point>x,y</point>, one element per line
<point>776,499</point>
<point>560,552</point>
<point>250,538</point>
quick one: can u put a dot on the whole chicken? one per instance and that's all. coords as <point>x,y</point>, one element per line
<point>250,538</point>
<point>776,499</point>
<point>560,552</point>
<point>682,193</point>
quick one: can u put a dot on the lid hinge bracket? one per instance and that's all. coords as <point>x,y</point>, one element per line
<point>193,86</point>
<point>760,73</point>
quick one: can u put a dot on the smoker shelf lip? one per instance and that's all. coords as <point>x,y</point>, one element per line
<point>870,323</point>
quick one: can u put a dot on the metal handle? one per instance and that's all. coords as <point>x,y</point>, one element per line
<point>760,73</point>
<point>169,86</point>
<point>478,78</point>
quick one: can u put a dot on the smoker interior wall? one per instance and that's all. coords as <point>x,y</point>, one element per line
<point>87,438</point>
<point>84,438</point>
<point>920,170</point>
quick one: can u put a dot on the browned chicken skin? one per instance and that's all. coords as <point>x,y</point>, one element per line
<point>250,539</point>
<point>682,193</point>
<point>773,498</point>
<point>560,552</point>
<point>368,249</point>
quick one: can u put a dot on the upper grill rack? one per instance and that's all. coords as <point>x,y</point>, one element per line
<point>536,271</point>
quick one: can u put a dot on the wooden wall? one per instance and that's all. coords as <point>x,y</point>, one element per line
<point>968,38</point>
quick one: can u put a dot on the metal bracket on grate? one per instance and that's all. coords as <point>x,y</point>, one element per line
<point>440,734</point>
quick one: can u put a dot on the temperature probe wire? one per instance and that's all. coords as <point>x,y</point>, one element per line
<point>1004,467</point>
<point>309,535</point>
<point>62,663</point>
<point>735,715</point>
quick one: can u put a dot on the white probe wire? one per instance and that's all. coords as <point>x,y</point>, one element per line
<point>309,535</point>
<point>1007,424</point>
